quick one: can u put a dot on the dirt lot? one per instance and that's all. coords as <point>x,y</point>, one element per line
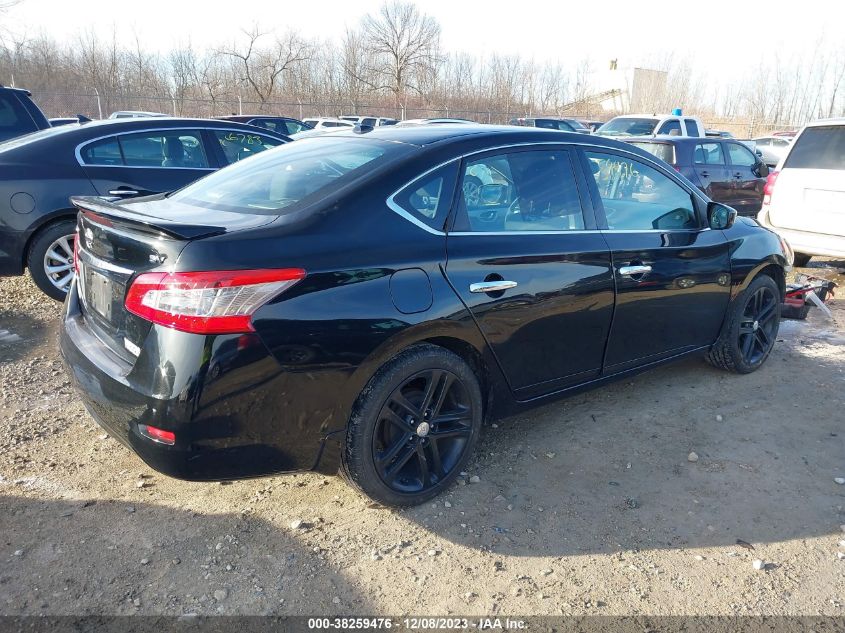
<point>588,506</point>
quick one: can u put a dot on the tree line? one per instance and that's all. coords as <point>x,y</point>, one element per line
<point>393,62</point>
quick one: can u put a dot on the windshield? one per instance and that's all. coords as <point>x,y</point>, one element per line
<point>663,151</point>
<point>627,127</point>
<point>36,136</point>
<point>300,172</point>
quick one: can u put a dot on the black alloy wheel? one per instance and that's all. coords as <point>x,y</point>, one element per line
<point>758,327</point>
<point>422,431</point>
<point>413,426</point>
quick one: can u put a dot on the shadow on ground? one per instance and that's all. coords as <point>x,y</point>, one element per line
<point>84,557</point>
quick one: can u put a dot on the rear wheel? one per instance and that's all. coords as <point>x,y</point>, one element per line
<point>413,427</point>
<point>801,259</point>
<point>50,259</point>
<point>750,329</point>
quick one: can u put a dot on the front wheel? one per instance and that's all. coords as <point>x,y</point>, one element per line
<point>750,329</point>
<point>50,259</point>
<point>414,427</point>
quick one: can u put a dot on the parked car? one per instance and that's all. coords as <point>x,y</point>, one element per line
<point>382,318</point>
<point>646,125</point>
<point>725,170</point>
<point>370,121</point>
<point>18,113</point>
<point>805,196</point>
<point>434,121</point>
<point>279,124</point>
<point>325,123</point>
<point>718,134</point>
<point>772,148</point>
<point>786,134</point>
<point>119,158</point>
<point>135,114</point>
<point>565,125</point>
<point>64,120</point>
<point>591,124</point>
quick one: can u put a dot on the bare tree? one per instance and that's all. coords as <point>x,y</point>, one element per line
<point>403,43</point>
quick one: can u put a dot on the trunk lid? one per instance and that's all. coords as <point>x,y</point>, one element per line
<point>117,241</point>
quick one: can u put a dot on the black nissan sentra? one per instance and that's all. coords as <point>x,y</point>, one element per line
<point>345,303</point>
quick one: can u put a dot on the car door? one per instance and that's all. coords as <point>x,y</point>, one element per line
<point>672,273</point>
<point>526,259</point>
<point>145,162</point>
<point>710,166</point>
<point>748,181</point>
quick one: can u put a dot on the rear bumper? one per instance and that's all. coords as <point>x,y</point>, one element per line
<point>806,242</point>
<point>224,411</point>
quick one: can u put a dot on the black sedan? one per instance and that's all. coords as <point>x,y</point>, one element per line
<point>118,158</point>
<point>281,124</point>
<point>340,303</point>
<point>726,170</point>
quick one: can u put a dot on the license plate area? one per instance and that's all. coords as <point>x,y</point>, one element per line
<point>102,295</point>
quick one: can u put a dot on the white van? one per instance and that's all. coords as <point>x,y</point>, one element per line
<point>804,197</point>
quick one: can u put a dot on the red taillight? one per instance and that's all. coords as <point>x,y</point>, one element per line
<point>157,435</point>
<point>212,302</point>
<point>769,187</point>
<point>76,253</point>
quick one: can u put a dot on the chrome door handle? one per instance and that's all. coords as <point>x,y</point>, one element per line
<point>123,192</point>
<point>492,286</point>
<point>630,271</point>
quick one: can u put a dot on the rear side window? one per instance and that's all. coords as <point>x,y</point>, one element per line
<point>692,127</point>
<point>176,149</point>
<point>819,148</point>
<point>13,117</point>
<point>428,199</point>
<point>103,152</point>
<point>239,145</point>
<point>708,154</point>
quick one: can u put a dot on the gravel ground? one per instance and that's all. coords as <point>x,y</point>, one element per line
<point>594,505</point>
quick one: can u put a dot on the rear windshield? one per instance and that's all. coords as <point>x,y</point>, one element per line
<point>290,176</point>
<point>819,148</point>
<point>36,136</point>
<point>627,127</point>
<point>663,151</point>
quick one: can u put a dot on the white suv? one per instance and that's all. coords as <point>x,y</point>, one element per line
<point>804,197</point>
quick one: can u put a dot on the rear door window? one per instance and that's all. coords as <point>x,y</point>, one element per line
<point>708,154</point>
<point>171,149</point>
<point>819,148</point>
<point>238,145</point>
<point>103,152</point>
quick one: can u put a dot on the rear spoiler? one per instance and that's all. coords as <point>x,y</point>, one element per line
<point>91,205</point>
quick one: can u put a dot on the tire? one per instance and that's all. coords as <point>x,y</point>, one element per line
<point>750,328</point>
<point>392,450</point>
<point>50,248</point>
<point>801,259</point>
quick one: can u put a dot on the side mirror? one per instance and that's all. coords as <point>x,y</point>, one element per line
<point>720,216</point>
<point>761,169</point>
<point>492,194</point>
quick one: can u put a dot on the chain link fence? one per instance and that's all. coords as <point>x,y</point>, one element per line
<point>97,106</point>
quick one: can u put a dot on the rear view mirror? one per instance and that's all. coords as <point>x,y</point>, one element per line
<point>492,194</point>
<point>720,216</point>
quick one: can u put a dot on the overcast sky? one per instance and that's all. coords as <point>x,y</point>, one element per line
<point>724,37</point>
